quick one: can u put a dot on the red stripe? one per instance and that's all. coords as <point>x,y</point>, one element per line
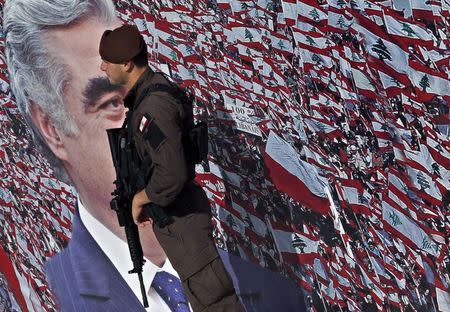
<point>8,270</point>
<point>288,183</point>
<point>299,258</point>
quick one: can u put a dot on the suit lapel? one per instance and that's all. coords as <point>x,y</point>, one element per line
<point>95,275</point>
<point>260,289</point>
<point>88,262</point>
<point>241,274</point>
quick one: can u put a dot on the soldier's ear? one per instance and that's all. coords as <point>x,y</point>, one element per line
<point>49,132</point>
<point>128,66</point>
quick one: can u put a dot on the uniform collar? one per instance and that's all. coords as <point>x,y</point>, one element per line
<point>132,94</point>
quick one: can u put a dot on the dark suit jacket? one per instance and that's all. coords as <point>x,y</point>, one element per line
<point>84,279</point>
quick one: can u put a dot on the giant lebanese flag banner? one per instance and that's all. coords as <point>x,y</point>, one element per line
<point>412,234</point>
<point>293,176</point>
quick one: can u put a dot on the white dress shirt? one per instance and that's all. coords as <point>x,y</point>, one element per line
<point>117,251</point>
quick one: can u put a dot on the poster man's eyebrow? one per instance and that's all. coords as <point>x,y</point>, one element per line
<point>95,89</point>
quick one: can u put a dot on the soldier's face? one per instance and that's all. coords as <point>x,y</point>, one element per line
<point>115,72</point>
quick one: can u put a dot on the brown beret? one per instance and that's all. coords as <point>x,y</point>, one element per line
<point>121,44</point>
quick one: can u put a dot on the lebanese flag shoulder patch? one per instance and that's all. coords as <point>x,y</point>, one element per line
<point>145,121</point>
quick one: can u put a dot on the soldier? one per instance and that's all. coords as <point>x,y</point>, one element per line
<point>157,127</point>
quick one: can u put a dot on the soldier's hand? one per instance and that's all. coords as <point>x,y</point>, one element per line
<point>139,200</point>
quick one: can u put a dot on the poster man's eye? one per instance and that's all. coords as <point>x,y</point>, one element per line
<point>116,103</point>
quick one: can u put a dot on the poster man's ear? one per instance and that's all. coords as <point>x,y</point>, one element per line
<point>48,131</point>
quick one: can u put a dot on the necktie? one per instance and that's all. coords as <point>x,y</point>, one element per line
<point>169,288</point>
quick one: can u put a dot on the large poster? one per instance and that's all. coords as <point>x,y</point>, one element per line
<point>329,156</point>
